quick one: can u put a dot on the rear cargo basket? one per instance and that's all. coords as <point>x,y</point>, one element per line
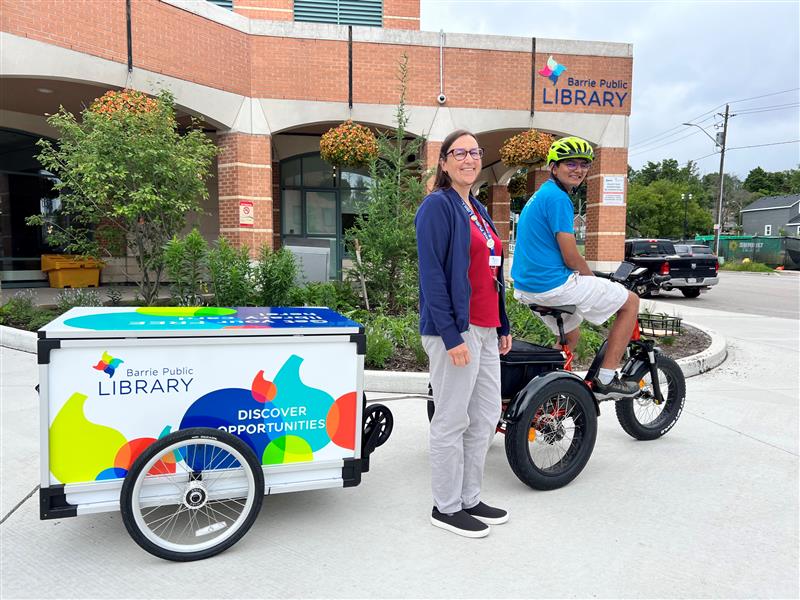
<point>524,362</point>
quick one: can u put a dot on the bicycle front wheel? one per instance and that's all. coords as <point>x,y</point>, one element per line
<point>192,494</point>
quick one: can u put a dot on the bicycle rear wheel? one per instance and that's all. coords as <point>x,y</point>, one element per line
<point>192,494</point>
<point>552,441</point>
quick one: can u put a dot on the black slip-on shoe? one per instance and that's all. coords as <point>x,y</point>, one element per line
<point>488,514</point>
<point>460,523</point>
<point>616,388</point>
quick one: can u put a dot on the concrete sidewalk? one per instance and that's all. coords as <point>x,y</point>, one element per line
<point>709,510</point>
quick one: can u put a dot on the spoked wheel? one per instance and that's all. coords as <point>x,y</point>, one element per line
<point>552,441</point>
<point>192,494</point>
<point>377,415</point>
<point>643,417</point>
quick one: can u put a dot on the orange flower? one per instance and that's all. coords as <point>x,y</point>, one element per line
<point>349,144</point>
<point>526,148</point>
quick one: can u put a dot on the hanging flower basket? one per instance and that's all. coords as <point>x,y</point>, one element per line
<point>526,149</point>
<point>123,101</point>
<point>348,145</point>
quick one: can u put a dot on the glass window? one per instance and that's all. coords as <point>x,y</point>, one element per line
<point>317,173</point>
<point>290,173</point>
<point>321,213</point>
<point>292,213</point>
<point>354,179</point>
<point>767,229</point>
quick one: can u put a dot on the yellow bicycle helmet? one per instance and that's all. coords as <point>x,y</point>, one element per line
<point>569,147</point>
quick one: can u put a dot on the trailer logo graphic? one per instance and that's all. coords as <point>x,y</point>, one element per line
<point>108,364</point>
<point>553,70</point>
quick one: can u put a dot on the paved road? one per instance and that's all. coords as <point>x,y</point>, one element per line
<point>711,510</point>
<point>774,295</point>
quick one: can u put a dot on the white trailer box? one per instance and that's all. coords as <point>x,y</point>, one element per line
<point>287,381</point>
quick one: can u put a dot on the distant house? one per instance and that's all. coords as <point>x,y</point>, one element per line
<point>768,215</point>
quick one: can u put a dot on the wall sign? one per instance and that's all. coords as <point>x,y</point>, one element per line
<point>581,90</point>
<point>246,214</point>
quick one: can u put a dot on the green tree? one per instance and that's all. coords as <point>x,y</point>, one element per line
<point>657,210</point>
<point>775,183</point>
<point>735,197</point>
<point>124,165</point>
<point>385,228</point>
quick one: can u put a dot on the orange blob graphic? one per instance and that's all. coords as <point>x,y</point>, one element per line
<point>263,390</point>
<point>341,421</point>
<point>131,451</point>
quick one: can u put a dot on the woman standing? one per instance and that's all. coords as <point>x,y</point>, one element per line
<point>464,330</point>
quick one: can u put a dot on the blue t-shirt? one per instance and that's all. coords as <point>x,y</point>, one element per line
<point>538,265</point>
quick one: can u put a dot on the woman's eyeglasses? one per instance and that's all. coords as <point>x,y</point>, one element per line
<point>461,154</point>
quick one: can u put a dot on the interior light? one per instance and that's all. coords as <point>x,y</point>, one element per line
<point>44,90</point>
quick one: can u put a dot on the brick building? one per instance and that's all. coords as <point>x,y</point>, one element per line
<point>268,77</point>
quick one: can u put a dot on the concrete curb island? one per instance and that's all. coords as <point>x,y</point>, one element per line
<point>399,382</point>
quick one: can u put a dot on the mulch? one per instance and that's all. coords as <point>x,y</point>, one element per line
<point>690,341</point>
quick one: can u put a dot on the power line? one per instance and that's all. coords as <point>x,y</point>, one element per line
<point>762,145</point>
<point>715,153</point>
<point>693,132</point>
<point>754,111</point>
<point>664,133</point>
<point>666,136</point>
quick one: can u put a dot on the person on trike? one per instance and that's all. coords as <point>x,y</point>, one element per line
<point>548,270</point>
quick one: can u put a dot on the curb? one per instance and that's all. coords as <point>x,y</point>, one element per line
<point>400,382</point>
<point>17,339</point>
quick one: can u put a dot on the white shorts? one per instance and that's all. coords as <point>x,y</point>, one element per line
<point>595,298</point>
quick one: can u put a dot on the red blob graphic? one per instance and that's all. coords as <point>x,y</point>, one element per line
<point>131,451</point>
<point>263,390</point>
<point>341,421</point>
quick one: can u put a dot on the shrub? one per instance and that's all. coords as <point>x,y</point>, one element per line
<point>337,295</point>
<point>22,312</point>
<point>124,167</point>
<point>186,263</point>
<point>274,277</point>
<point>388,335</point>
<point>78,297</point>
<point>231,274</point>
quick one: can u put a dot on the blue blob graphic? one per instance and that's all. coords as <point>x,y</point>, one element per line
<point>111,473</point>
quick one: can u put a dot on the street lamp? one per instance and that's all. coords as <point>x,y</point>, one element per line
<point>718,224</point>
<point>685,199</point>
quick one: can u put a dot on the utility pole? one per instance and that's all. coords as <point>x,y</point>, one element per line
<point>718,225</point>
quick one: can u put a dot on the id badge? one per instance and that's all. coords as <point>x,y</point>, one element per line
<point>494,261</point>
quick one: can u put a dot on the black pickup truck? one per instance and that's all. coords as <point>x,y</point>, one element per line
<point>689,274</point>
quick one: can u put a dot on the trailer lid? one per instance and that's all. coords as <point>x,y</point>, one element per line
<point>172,321</point>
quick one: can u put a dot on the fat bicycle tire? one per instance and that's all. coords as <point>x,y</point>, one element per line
<point>640,417</point>
<point>205,491</point>
<point>559,426</point>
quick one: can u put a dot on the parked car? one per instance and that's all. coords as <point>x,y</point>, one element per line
<point>692,250</point>
<point>692,272</point>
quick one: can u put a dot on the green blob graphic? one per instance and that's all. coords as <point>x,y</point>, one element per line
<point>80,449</point>
<point>287,449</point>
<point>185,311</point>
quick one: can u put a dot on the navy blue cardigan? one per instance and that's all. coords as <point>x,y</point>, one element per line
<point>443,239</point>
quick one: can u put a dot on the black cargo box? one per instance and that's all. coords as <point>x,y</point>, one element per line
<point>524,362</point>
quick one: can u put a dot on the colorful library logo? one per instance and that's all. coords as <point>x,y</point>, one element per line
<point>553,70</point>
<point>108,364</point>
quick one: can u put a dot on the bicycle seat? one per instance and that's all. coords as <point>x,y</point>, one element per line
<point>553,310</point>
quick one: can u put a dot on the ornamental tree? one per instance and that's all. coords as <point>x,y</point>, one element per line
<point>125,167</point>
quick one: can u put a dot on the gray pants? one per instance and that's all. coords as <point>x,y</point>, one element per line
<point>467,401</point>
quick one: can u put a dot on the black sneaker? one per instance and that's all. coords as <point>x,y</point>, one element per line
<point>460,523</point>
<point>616,388</point>
<point>488,514</point>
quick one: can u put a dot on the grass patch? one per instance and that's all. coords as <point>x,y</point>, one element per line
<point>755,267</point>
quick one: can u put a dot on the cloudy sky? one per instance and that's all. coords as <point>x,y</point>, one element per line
<point>689,59</point>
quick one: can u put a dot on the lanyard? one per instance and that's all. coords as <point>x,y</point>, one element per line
<point>481,226</point>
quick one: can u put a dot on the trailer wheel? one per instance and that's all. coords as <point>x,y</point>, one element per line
<point>192,494</point>
<point>380,417</point>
